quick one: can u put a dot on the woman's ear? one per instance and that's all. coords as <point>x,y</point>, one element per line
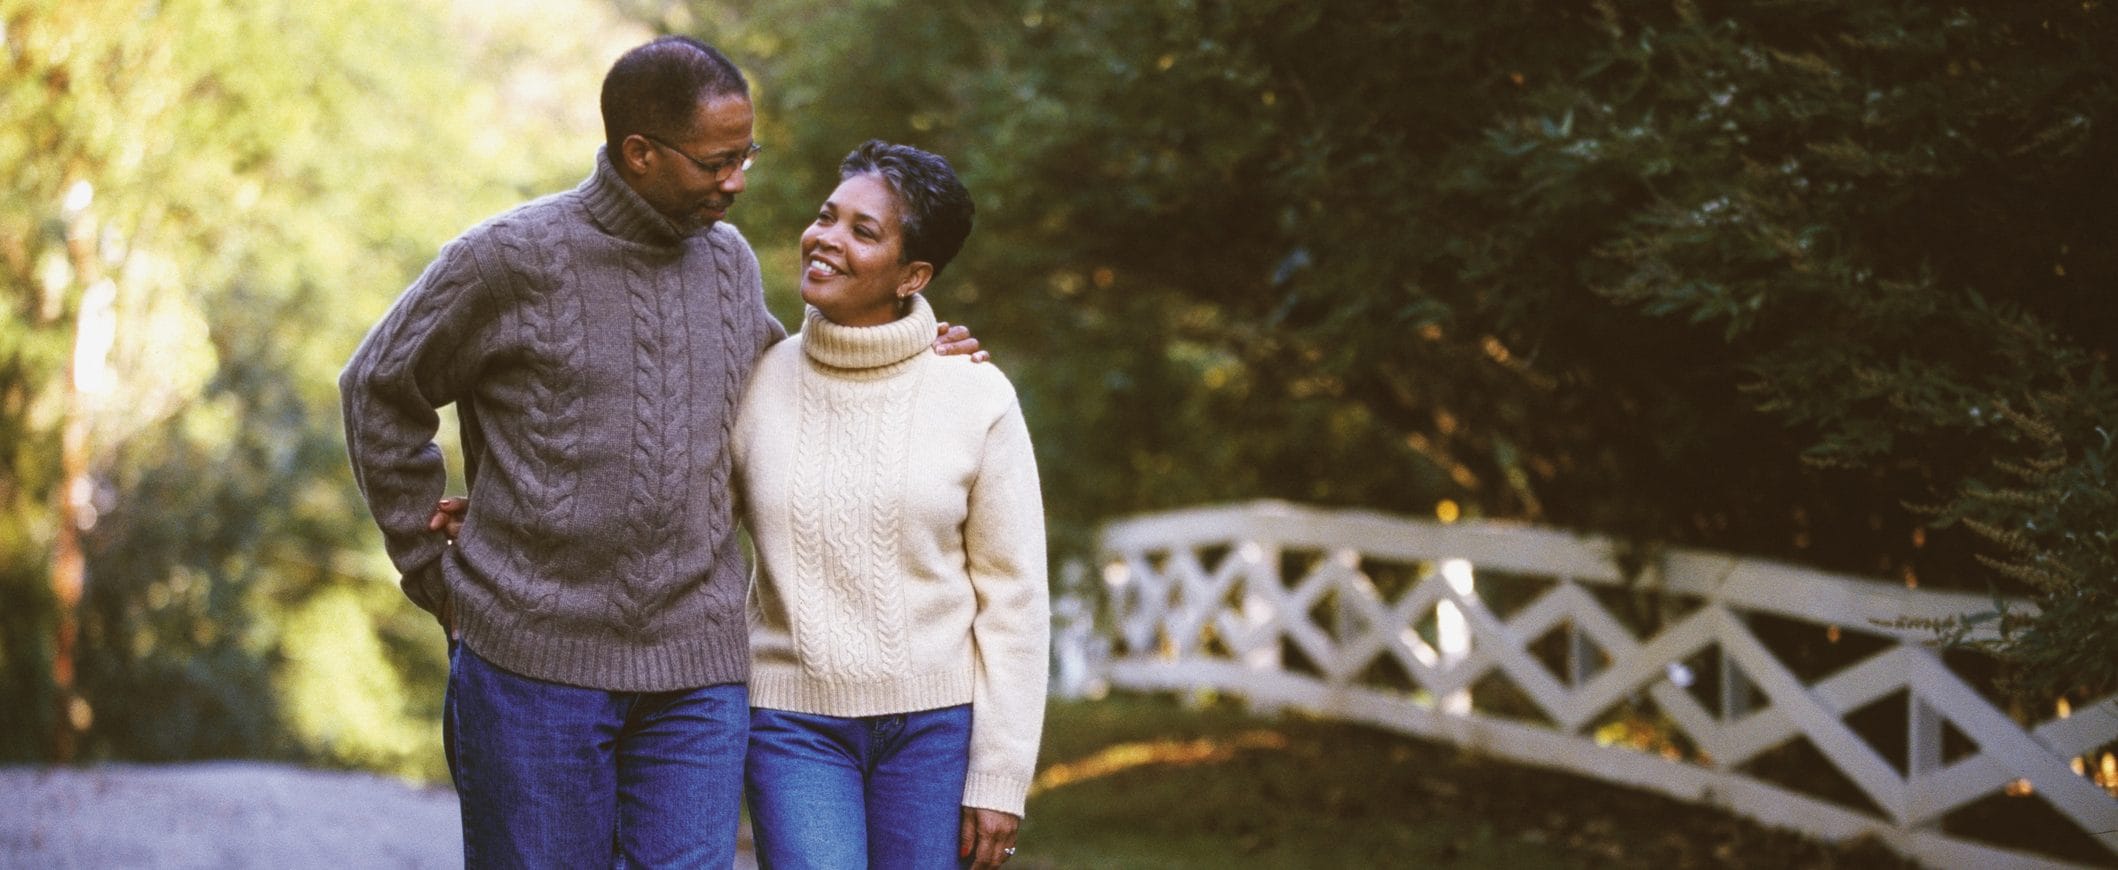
<point>915,278</point>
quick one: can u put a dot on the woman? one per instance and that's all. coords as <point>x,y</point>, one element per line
<point>900,614</point>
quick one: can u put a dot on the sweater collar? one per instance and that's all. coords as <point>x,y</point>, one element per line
<point>868,351</point>
<point>620,210</point>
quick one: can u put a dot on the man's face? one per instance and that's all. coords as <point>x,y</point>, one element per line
<point>676,183</point>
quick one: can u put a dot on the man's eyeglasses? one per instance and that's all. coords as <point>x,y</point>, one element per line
<point>719,169</point>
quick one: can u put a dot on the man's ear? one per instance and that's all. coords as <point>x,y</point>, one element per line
<point>915,278</point>
<point>632,154</point>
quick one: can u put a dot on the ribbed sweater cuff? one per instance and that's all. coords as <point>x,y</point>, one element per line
<point>988,791</point>
<point>786,688</point>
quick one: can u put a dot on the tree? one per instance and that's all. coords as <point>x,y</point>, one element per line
<point>1880,212</point>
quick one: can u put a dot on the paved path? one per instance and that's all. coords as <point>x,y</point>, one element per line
<point>225,815</point>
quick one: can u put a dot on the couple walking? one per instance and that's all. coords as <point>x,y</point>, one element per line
<point>624,396</point>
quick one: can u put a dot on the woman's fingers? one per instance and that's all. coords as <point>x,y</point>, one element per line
<point>995,837</point>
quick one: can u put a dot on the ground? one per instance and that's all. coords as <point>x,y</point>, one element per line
<point>234,814</point>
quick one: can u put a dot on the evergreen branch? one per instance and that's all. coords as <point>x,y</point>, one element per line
<point>2042,580</point>
<point>2013,540</point>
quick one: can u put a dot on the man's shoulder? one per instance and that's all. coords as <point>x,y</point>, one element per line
<point>726,233</point>
<point>535,219</point>
<point>728,238</point>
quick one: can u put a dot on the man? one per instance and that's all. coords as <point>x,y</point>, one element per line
<point>595,343</point>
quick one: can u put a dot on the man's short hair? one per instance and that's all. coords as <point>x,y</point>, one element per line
<point>934,206</point>
<point>656,89</point>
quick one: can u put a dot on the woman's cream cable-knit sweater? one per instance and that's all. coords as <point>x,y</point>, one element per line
<point>893,499</point>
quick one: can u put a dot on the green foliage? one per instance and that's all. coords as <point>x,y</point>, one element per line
<point>2047,518</point>
<point>1882,211</point>
<point>1771,277</point>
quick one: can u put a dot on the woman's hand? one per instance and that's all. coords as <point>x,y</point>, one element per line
<point>988,837</point>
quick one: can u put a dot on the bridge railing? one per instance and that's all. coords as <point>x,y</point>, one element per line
<point>1693,678</point>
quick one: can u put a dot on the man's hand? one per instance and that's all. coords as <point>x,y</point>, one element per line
<point>448,516</point>
<point>988,838</point>
<point>954,340</point>
<point>448,519</point>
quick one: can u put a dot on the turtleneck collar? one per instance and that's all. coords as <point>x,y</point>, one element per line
<point>619,209</point>
<point>867,352</point>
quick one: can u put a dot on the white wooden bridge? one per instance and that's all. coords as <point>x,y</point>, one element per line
<point>1691,679</point>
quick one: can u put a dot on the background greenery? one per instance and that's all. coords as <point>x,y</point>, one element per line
<point>1821,281</point>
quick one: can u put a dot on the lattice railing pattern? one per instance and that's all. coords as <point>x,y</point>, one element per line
<point>1291,606</point>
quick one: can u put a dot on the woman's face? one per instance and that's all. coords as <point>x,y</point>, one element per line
<point>852,254</point>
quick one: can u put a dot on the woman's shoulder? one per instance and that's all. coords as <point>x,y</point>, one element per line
<point>980,382</point>
<point>791,347</point>
<point>776,367</point>
<point>784,355</point>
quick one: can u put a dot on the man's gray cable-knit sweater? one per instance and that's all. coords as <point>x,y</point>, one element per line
<point>595,354</point>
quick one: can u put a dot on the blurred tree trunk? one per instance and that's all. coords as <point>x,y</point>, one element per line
<point>94,326</point>
<point>69,567</point>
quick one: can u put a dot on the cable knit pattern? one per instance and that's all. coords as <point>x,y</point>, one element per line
<point>594,351</point>
<point>894,501</point>
<point>847,514</point>
<point>720,461</point>
<point>659,411</point>
<point>548,319</point>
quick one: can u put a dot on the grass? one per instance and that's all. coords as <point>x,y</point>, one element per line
<point>1149,782</point>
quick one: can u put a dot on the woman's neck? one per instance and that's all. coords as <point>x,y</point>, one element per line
<point>880,349</point>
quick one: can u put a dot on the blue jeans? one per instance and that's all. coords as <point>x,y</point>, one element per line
<point>882,792</point>
<point>551,775</point>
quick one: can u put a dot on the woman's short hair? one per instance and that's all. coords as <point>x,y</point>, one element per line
<point>656,89</point>
<point>934,207</point>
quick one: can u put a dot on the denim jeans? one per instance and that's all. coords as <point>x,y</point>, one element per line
<point>551,775</point>
<point>882,792</point>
